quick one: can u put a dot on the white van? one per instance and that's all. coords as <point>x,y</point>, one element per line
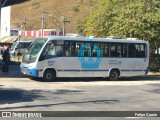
<point>19,47</point>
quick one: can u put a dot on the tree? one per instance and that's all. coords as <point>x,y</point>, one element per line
<point>100,19</point>
<point>126,18</point>
<point>123,17</point>
<point>80,27</point>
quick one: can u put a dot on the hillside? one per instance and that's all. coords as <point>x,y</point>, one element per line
<point>74,10</point>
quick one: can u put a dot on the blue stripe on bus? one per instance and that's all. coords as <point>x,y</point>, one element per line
<point>96,70</point>
<point>125,70</point>
<point>61,70</point>
<point>81,70</point>
<point>133,70</point>
<point>137,70</point>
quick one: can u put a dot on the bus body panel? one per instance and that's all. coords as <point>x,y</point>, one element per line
<point>68,70</point>
<point>29,69</point>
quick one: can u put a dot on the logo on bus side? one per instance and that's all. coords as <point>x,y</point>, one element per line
<point>115,62</point>
<point>89,61</point>
<point>50,63</point>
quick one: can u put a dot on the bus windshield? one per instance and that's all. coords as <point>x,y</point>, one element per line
<point>33,51</point>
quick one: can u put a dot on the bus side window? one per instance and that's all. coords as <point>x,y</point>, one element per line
<point>132,50</point>
<point>44,53</point>
<point>124,50</point>
<point>77,47</point>
<point>52,50</point>
<point>67,49</point>
<point>113,52</point>
<point>87,49</point>
<point>67,53</point>
<point>105,50</point>
<point>140,50</point>
<point>70,48</point>
<point>73,47</point>
<point>55,51</point>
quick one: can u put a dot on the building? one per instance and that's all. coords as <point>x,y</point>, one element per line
<point>46,32</point>
<point>5,21</point>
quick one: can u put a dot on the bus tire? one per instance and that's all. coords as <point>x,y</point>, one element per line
<point>48,75</point>
<point>114,75</point>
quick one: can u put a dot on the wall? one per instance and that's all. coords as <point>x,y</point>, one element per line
<point>5,21</point>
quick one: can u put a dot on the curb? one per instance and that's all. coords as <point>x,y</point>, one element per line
<point>153,73</point>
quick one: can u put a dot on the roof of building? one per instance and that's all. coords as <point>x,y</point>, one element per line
<point>11,39</point>
<point>8,39</point>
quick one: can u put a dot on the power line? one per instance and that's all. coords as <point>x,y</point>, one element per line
<point>43,16</point>
<point>34,17</point>
<point>27,19</point>
<point>50,15</point>
<point>17,21</point>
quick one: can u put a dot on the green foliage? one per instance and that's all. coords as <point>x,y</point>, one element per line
<point>80,26</point>
<point>126,18</point>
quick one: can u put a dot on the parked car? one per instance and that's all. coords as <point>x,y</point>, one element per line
<point>19,47</point>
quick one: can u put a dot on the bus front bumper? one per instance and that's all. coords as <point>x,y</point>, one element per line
<point>30,71</point>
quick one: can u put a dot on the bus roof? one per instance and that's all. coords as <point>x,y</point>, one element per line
<point>94,39</point>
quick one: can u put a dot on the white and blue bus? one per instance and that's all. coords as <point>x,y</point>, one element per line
<point>61,56</point>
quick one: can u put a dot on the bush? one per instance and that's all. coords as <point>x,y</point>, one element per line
<point>154,63</point>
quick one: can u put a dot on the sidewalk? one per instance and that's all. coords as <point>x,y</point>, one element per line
<point>14,71</point>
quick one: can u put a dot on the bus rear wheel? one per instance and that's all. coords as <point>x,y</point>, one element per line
<point>114,75</point>
<point>48,75</point>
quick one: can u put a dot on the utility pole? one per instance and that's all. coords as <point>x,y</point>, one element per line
<point>24,25</point>
<point>43,17</point>
<point>64,22</point>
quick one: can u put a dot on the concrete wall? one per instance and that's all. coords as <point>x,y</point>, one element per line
<point>5,21</point>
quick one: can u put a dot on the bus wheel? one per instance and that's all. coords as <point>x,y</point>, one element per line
<point>49,75</point>
<point>114,75</point>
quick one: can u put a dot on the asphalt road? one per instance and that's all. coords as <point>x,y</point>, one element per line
<point>87,94</point>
